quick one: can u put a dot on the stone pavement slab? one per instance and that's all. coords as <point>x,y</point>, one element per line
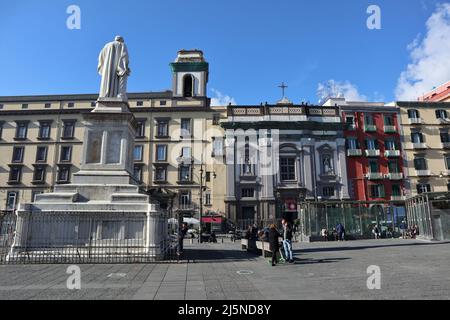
<point>410,269</point>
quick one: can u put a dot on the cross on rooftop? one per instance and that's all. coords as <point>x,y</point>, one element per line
<point>283,88</point>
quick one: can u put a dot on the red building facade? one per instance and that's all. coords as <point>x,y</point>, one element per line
<point>374,154</point>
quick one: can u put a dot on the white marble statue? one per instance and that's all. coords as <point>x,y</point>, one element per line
<point>113,67</point>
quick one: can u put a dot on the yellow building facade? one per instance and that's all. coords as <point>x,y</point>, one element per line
<point>426,144</point>
<point>178,150</point>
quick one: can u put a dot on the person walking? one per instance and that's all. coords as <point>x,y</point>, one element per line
<point>274,236</point>
<point>181,234</point>
<point>324,234</point>
<point>403,229</point>
<point>287,240</point>
<point>340,232</point>
<point>414,231</point>
<point>376,232</point>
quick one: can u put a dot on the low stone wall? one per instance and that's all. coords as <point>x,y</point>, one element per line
<point>257,247</point>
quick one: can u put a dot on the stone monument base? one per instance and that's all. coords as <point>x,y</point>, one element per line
<point>101,216</point>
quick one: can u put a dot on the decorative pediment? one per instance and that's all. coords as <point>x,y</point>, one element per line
<point>288,148</point>
<point>325,148</point>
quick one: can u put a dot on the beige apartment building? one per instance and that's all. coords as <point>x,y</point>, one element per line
<point>178,149</point>
<point>426,145</point>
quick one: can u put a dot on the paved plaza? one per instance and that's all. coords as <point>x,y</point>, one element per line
<point>410,269</point>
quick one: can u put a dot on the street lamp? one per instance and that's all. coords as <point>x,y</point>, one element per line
<point>201,202</point>
<point>278,204</point>
<point>201,171</point>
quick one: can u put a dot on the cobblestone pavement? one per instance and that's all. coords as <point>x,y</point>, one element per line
<point>409,270</point>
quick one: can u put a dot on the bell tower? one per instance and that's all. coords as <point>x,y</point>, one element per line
<point>190,74</point>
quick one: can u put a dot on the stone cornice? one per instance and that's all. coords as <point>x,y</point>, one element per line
<point>82,97</point>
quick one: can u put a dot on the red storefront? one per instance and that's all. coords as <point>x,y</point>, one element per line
<point>374,154</point>
<point>214,223</point>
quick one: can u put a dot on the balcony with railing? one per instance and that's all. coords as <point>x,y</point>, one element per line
<point>419,145</point>
<point>398,198</point>
<point>392,153</point>
<point>354,152</point>
<point>415,121</point>
<point>186,207</point>
<point>372,153</point>
<point>445,121</point>
<point>374,176</point>
<point>423,173</point>
<point>395,176</point>
<point>370,128</point>
<point>390,129</point>
<point>445,173</point>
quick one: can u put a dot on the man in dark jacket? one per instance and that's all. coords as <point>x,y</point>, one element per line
<point>274,236</point>
<point>181,234</point>
<point>340,231</point>
<point>287,240</point>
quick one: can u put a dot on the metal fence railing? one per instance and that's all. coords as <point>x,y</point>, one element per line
<point>65,238</point>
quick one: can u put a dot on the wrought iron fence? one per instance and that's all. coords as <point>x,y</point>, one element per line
<point>63,239</point>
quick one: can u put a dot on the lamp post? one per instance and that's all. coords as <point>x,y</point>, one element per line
<point>201,202</point>
<point>202,186</point>
<point>278,207</point>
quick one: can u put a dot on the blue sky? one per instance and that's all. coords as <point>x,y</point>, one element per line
<point>252,45</point>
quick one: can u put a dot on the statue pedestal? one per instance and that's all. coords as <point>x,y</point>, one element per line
<point>112,105</point>
<point>102,210</point>
<point>109,145</point>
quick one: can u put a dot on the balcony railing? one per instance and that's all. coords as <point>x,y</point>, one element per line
<point>354,152</point>
<point>419,145</point>
<point>392,153</point>
<point>423,173</point>
<point>444,121</point>
<point>390,129</point>
<point>372,153</point>
<point>274,110</point>
<point>374,176</point>
<point>370,128</point>
<point>186,207</point>
<point>415,121</point>
<point>395,176</point>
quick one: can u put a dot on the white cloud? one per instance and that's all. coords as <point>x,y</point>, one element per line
<point>220,99</point>
<point>430,58</point>
<point>337,89</point>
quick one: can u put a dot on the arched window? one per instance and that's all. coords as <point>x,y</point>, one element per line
<point>188,86</point>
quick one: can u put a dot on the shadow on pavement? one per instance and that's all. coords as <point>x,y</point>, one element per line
<point>346,248</point>
<point>215,255</point>
<point>315,261</point>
